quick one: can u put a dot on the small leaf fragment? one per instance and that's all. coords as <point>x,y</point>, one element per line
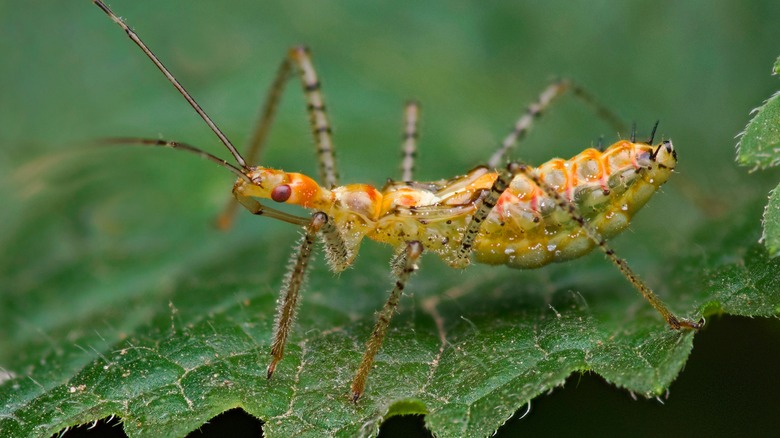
<point>771,236</point>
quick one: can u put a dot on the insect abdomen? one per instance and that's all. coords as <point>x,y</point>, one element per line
<point>528,230</point>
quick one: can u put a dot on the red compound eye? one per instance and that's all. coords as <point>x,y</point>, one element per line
<point>281,193</point>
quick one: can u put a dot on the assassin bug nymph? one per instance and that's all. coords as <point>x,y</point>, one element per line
<point>517,215</point>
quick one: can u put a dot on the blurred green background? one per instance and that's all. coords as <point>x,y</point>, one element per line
<point>68,75</point>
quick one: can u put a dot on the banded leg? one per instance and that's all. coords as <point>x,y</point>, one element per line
<point>409,147</point>
<point>288,303</point>
<point>524,123</point>
<point>404,264</point>
<point>259,134</point>
<point>318,118</point>
<point>564,204</point>
<point>338,254</point>
<point>300,59</point>
<point>463,257</point>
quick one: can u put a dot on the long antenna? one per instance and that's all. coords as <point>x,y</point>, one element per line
<point>179,146</point>
<point>239,159</point>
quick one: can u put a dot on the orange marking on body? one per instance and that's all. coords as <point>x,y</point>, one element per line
<point>483,182</point>
<point>590,156</point>
<point>534,204</point>
<point>371,191</point>
<point>408,200</point>
<point>305,191</point>
<point>506,198</point>
<point>558,164</point>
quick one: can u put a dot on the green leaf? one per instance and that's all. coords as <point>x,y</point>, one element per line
<point>760,142</point>
<point>508,336</point>
<point>119,298</point>
<point>759,145</point>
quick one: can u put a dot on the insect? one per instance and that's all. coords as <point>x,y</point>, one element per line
<point>519,216</point>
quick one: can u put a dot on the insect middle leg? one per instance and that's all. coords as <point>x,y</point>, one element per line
<point>409,146</point>
<point>404,264</point>
<point>463,256</point>
<point>297,59</point>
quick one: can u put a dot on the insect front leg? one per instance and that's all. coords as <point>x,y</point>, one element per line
<point>404,264</point>
<point>295,276</point>
<point>338,254</point>
<point>256,141</point>
<point>318,117</point>
<point>288,302</point>
<point>297,59</point>
<point>259,209</point>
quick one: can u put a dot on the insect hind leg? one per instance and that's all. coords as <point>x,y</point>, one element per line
<point>564,204</point>
<point>537,108</point>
